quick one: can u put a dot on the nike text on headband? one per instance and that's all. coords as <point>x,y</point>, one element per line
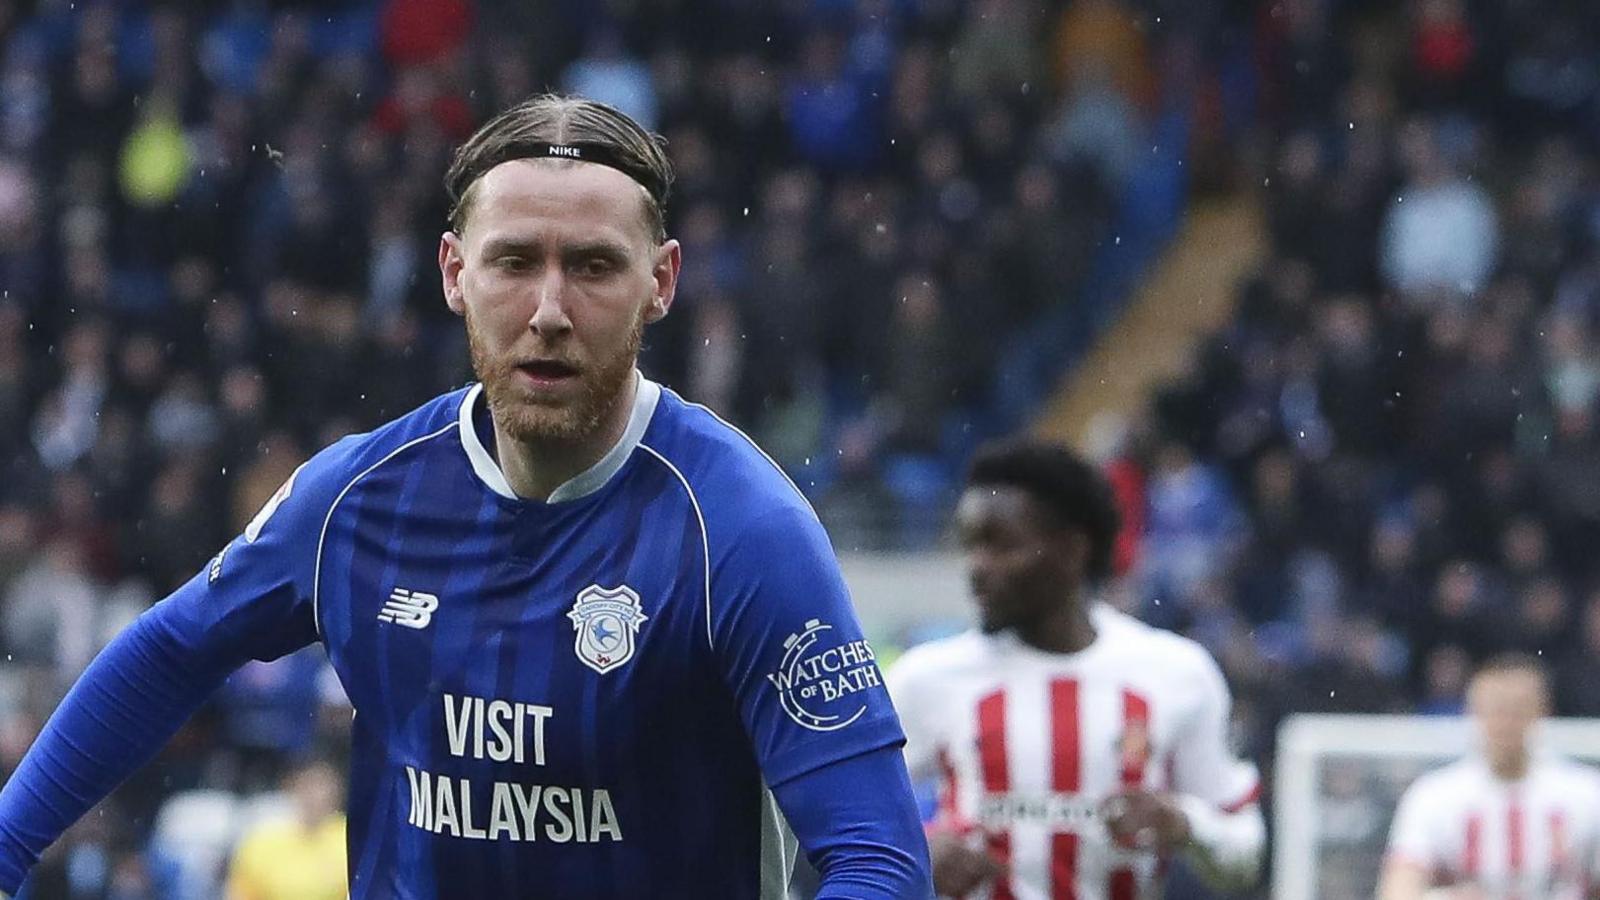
<point>583,151</point>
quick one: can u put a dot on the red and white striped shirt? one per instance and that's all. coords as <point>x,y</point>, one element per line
<point>1026,745</point>
<point>1534,839</point>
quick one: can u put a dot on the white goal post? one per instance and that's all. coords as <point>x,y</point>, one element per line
<point>1337,781</point>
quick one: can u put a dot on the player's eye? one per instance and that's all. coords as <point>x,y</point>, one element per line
<point>596,267</point>
<point>514,263</point>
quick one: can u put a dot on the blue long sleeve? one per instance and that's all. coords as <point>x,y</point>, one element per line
<point>859,826</point>
<point>128,703</point>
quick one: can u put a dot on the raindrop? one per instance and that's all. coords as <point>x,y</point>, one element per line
<point>1352,126</point>
<point>1118,240</point>
<point>747,210</point>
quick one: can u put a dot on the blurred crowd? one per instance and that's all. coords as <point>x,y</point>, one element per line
<point>1387,466</point>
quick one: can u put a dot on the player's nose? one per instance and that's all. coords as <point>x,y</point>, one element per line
<point>549,304</point>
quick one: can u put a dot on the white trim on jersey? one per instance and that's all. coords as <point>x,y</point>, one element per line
<point>316,573</point>
<point>646,395</point>
<point>751,441</point>
<point>704,540</point>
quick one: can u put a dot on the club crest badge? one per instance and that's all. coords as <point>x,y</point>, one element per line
<point>607,621</point>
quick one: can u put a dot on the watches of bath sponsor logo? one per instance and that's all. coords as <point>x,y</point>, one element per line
<point>820,680</point>
<point>607,621</point>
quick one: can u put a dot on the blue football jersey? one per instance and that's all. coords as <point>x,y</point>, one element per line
<point>585,697</point>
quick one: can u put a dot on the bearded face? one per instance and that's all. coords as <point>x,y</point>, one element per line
<point>557,274</point>
<point>551,397</point>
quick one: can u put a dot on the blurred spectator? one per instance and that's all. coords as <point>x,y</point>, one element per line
<point>833,110</point>
<point>300,856</point>
<point>1578,673</point>
<point>607,74</point>
<point>1441,234</point>
<point>1193,523</point>
<point>1443,50</point>
<point>995,55</point>
<point>1445,682</point>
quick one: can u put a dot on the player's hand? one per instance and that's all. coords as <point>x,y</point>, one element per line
<point>959,867</point>
<point>1140,820</point>
<point>1456,892</point>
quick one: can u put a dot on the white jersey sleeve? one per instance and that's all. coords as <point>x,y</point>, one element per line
<point>914,689</point>
<point>1413,837</point>
<point>1204,766</point>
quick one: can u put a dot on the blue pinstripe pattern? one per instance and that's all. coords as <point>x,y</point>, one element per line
<point>678,735</point>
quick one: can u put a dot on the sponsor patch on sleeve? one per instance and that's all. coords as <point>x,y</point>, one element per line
<point>821,680</point>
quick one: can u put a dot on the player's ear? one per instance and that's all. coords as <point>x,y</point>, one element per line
<point>451,259</point>
<point>664,270</point>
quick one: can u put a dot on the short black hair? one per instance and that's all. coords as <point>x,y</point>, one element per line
<point>1070,489</point>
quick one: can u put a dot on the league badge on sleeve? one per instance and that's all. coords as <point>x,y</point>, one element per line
<point>606,619</point>
<point>253,530</point>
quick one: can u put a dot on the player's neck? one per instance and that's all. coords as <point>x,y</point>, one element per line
<point>534,469</point>
<point>1067,630</point>
<point>1513,768</point>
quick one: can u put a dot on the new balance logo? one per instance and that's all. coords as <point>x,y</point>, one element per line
<point>413,609</point>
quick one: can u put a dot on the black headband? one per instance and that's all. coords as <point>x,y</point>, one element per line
<point>582,151</point>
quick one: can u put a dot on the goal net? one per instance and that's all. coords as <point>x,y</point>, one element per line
<point>1339,778</point>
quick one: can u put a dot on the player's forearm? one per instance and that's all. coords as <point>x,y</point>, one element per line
<point>1403,880</point>
<point>1226,847</point>
<point>127,704</point>
<point>858,823</point>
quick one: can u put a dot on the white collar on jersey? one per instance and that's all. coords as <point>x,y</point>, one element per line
<point>645,397</point>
